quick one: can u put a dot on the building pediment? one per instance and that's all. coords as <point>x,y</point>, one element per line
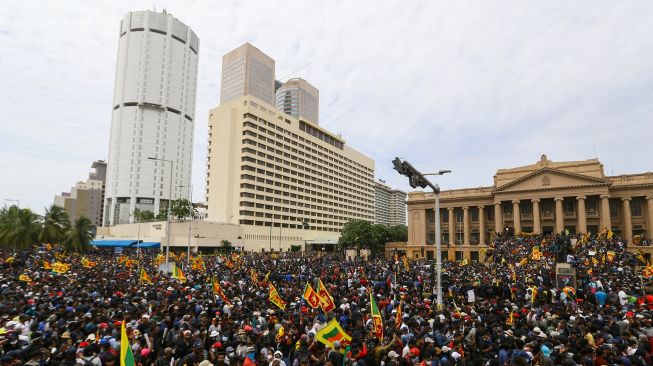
<point>550,179</point>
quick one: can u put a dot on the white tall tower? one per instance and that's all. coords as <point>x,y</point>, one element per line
<point>153,115</point>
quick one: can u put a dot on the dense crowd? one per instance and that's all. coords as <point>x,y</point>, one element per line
<point>510,309</point>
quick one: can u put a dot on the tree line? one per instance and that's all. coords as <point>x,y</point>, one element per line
<point>181,209</point>
<point>20,228</point>
<point>363,234</point>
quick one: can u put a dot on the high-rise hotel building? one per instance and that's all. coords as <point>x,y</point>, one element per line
<point>390,205</point>
<point>272,173</point>
<point>298,98</point>
<point>153,115</point>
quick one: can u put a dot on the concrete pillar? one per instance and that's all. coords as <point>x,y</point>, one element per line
<point>605,213</point>
<point>627,224</point>
<point>452,226</point>
<point>498,218</point>
<point>537,226</point>
<point>516,216</point>
<point>582,218</point>
<point>560,224</point>
<point>649,217</point>
<point>481,225</point>
<point>466,227</point>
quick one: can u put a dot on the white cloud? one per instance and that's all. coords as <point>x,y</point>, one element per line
<point>469,86</point>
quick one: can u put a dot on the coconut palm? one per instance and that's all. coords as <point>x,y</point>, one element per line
<point>55,225</point>
<point>19,228</point>
<point>78,238</point>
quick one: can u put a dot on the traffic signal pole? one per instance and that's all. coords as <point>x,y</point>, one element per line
<point>417,179</point>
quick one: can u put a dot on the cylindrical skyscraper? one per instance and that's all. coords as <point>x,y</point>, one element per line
<point>153,115</point>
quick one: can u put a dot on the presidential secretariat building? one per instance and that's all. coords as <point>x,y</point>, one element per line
<point>544,197</point>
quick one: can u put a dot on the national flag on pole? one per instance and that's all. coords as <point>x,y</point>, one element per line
<point>398,317</point>
<point>536,253</point>
<point>178,274</point>
<point>377,320</point>
<point>276,299</point>
<point>160,258</point>
<point>58,267</point>
<point>24,278</point>
<point>145,277</point>
<point>217,290</point>
<point>311,297</point>
<point>88,264</point>
<point>333,332</point>
<point>267,275</point>
<point>509,320</point>
<point>326,301</point>
<point>126,355</point>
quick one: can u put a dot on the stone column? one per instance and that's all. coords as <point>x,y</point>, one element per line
<point>516,216</point>
<point>466,227</point>
<point>560,223</point>
<point>649,217</point>
<point>452,226</point>
<point>498,218</point>
<point>582,218</point>
<point>481,225</point>
<point>605,212</point>
<point>627,224</point>
<point>537,226</point>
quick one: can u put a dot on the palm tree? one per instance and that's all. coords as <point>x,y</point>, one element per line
<point>78,238</point>
<point>19,228</point>
<point>55,225</point>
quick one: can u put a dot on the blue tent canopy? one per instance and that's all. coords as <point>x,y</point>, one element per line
<point>148,245</point>
<point>113,243</point>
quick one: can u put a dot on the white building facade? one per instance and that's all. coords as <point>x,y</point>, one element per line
<point>389,205</point>
<point>153,115</point>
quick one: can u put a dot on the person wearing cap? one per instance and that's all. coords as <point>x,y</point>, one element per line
<point>334,355</point>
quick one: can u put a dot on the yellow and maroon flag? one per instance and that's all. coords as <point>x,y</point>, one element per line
<point>377,320</point>
<point>217,290</point>
<point>326,301</point>
<point>647,272</point>
<point>398,317</point>
<point>178,274</point>
<point>253,276</point>
<point>609,256</point>
<point>311,297</point>
<point>276,299</point>
<point>145,277</point>
<point>47,265</point>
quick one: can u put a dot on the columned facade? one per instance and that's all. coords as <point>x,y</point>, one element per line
<point>546,197</point>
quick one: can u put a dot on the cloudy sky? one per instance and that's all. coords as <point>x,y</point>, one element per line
<point>466,86</point>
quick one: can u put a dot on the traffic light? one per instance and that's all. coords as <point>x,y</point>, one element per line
<point>417,181</point>
<point>399,166</point>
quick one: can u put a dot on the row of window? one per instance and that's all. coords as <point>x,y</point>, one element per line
<point>349,172</point>
<point>314,226</point>
<point>340,190</point>
<point>343,219</point>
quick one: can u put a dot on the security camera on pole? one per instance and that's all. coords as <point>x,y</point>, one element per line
<point>417,179</point>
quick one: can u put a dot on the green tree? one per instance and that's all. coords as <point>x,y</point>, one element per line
<point>398,233</point>
<point>78,238</point>
<point>144,216</point>
<point>162,216</point>
<point>55,225</point>
<point>182,209</point>
<point>226,246</point>
<point>356,233</point>
<point>19,228</point>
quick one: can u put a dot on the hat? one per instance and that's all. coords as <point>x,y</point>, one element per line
<point>145,352</point>
<point>217,345</point>
<point>65,335</point>
<point>455,355</point>
<point>336,344</point>
<point>91,337</point>
<point>446,349</point>
<point>214,334</point>
<point>83,344</point>
<point>414,351</point>
<point>393,354</point>
<point>103,325</point>
<point>281,354</point>
<point>145,316</point>
<point>428,340</point>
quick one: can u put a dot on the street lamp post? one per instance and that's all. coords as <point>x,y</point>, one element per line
<point>169,207</point>
<point>190,220</point>
<point>417,179</point>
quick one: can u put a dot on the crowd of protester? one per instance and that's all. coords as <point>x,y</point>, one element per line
<point>509,309</point>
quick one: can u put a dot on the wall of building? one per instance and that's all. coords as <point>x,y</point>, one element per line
<point>153,114</point>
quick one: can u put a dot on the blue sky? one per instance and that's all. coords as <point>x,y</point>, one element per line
<point>469,86</point>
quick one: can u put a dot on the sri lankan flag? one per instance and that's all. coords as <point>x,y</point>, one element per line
<point>333,332</point>
<point>145,277</point>
<point>647,272</point>
<point>178,274</point>
<point>24,278</point>
<point>60,268</point>
<point>47,265</point>
<point>217,290</point>
<point>88,264</point>
<point>160,258</point>
<point>276,299</point>
<point>326,301</point>
<point>253,276</point>
<point>377,320</point>
<point>311,297</point>
<point>406,265</point>
<point>609,256</point>
<point>509,321</point>
<point>126,355</point>
<point>398,317</point>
